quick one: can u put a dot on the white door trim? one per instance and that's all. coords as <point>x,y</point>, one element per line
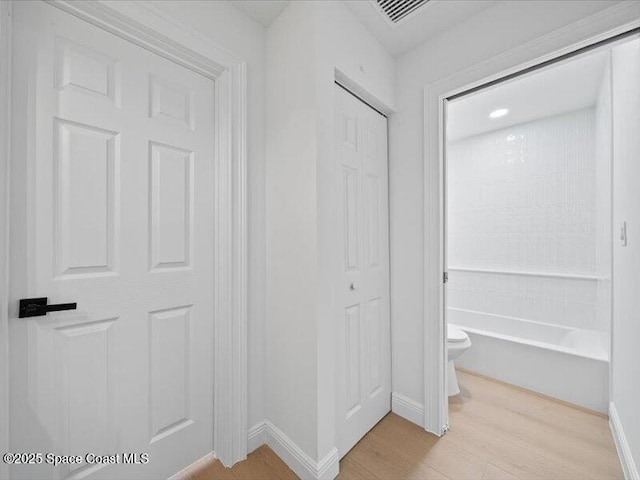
<point>5,148</point>
<point>588,31</point>
<point>150,28</point>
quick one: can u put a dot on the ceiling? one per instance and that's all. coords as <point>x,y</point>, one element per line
<point>262,11</point>
<point>433,18</point>
<point>561,88</point>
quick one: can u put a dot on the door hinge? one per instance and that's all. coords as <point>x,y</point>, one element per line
<point>445,277</point>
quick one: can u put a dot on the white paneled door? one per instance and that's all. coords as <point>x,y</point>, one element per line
<point>364,344</point>
<point>113,208</point>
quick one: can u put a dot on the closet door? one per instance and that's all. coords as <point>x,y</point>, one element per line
<point>364,347</point>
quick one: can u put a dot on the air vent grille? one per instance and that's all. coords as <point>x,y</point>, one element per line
<point>396,10</point>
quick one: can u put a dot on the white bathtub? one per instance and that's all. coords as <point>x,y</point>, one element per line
<point>565,363</point>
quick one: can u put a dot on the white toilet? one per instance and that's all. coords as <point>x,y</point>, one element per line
<point>457,343</point>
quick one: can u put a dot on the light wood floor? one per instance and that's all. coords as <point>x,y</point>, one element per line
<point>497,432</point>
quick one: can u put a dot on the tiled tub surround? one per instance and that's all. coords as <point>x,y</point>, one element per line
<point>569,301</point>
<point>603,194</point>
<point>522,221</point>
<point>524,197</point>
<point>523,255</point>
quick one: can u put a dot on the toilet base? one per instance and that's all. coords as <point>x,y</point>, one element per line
<point>452,380</point>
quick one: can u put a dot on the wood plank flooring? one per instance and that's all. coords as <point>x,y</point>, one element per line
<point>498,432</point>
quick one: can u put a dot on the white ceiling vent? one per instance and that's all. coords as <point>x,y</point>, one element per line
<point>396,11</point>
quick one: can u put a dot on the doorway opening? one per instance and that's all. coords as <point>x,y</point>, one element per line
<point>528,232</point>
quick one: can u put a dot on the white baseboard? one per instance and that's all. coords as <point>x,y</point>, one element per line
<point>407,408</point>
<point>624,451</point>
<point>184,474</point>
<point>302,464</point>
<point>257,436</point>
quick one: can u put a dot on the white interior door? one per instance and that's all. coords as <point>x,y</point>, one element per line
<point>364,343</point>
<point>112,174</point>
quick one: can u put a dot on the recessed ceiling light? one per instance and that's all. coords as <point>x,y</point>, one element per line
<point>501,112</point>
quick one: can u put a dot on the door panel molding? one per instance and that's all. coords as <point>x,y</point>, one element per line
<point>152,29</point>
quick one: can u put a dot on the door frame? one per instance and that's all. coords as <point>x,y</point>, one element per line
<point>579,35</point>
<point>148,27</point>
<point>353,89</point>
<point>5,146</point>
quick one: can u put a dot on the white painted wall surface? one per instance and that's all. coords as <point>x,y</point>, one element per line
<point>236,32</point>
<point>292,271</point>
<point>463,46</point>
<point>305,45</point>
<point>626,260</point>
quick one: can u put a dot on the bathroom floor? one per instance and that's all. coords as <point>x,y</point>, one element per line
<point>497,432</point>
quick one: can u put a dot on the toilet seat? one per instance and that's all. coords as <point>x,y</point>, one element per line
<point>455,334</point>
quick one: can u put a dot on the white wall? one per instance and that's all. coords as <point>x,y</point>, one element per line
<point>626,260</point>
<point>292,272</point>
<point>523,199</point>
<point>305,45</point>
<point>231,29</point>
<point>467,44</point>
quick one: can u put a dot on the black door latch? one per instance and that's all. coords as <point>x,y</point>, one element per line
<point>37,307</point>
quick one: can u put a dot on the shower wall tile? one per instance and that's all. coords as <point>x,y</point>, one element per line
<point>604,144</point>
<point>523,199</point>
<point>560,301</point>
